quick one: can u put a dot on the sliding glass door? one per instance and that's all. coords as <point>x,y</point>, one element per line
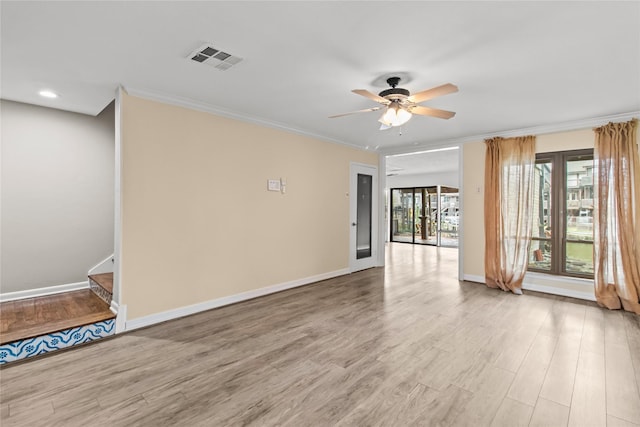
<point>425,215</point>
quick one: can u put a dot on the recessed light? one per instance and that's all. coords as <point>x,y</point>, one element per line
<point>48,94</point>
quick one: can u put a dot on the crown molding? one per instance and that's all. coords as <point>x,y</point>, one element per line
<point>223,112</point>
<point>534,130</point>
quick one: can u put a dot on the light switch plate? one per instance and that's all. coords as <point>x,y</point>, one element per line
<point>273,185</point>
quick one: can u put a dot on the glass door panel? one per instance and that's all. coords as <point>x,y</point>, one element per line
<point>363,213</point>
<point>402,220</point>
<point>449,216</point>
<point>578,248</point>
<point>540,251</point>
<point>432,237</point>
<point>421,215</point>
<point>417,214</point>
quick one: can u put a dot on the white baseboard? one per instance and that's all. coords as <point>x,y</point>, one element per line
<point>553,290</point>
<point>152,319</point>
<point>473,278</point>
<point>40,292</point>
<point>559,291</point>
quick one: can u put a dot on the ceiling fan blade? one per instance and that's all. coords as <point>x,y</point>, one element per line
<point>366,110</point>
<point>433,93</point>
<point>433,112</point>
<point>371,96</point>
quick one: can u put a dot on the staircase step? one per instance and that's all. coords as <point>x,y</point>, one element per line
<point>105,280</point>
<point>36,326</point>
<point>102,286</point>
<point>32,317</point>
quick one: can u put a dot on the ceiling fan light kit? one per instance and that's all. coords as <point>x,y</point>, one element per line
<point>401,105</point>
<point>395,115</point>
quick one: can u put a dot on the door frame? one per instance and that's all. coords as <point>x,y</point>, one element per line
<point>372,261</point>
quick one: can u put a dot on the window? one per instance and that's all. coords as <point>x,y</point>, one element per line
<point>562,241</point>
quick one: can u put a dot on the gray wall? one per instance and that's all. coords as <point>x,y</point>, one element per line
<point>57,195</point>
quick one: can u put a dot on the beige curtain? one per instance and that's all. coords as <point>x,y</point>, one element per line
<point>508,207</point>
<point>617,217</point>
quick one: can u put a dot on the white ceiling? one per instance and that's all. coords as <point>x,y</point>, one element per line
<point>517,64</point>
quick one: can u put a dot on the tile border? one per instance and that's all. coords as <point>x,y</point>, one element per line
<point>23,349</point>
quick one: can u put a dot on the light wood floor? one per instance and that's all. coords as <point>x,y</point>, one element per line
<point>405,345</point>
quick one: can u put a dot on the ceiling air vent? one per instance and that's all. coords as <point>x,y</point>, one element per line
<point>207,54</point>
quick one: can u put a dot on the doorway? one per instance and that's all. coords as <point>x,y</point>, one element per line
<point>425,215</point>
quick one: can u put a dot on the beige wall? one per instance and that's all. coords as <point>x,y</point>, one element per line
<point>197,220</point>
<point>57,195</point>
<point>473,179</point>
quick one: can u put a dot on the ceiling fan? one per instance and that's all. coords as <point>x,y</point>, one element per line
<point>401,105</point>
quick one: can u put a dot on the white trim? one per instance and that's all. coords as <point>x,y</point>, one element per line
<point>473,278</point>
<point>104,266</point>
<point>121,318</point>
<point>373,261</point>
<point>534,130</point>
<point>461,192</point>
<point>553,290</point>
<point>382,200</point>
<point>117,213</point>
<point>114,307</point>
<point>580,281</point>
<point>559,291</point>
<point>40,292</point>
<point>152,319</point>
<point>223,112</point>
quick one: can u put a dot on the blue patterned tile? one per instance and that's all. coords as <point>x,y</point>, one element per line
<point>22,349</point>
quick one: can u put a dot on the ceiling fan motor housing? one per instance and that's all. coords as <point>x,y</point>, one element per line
<point>393,82</point>
<point>394,91</point>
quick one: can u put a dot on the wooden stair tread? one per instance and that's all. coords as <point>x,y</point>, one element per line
<point>33,317</point>
<point>105,280</point>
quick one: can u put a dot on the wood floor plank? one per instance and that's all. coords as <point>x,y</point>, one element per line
<point>405,345</point>
<point>621,387</point>
<point>29,412</point>
<point>548,413</point>
<point>632,326</point>
<point>529,378</point>
<point>516,348</point>
<point>593,333</point>
<point>443,407</point>
<point>512,413</point>
<point>617,422</point>
<point>488,393</point>
<point>623,398</point>
<point>589,402</point>
<point>559,381</point>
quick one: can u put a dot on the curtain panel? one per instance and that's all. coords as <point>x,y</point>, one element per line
<point>616,222</point>
<point>508,208</point>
